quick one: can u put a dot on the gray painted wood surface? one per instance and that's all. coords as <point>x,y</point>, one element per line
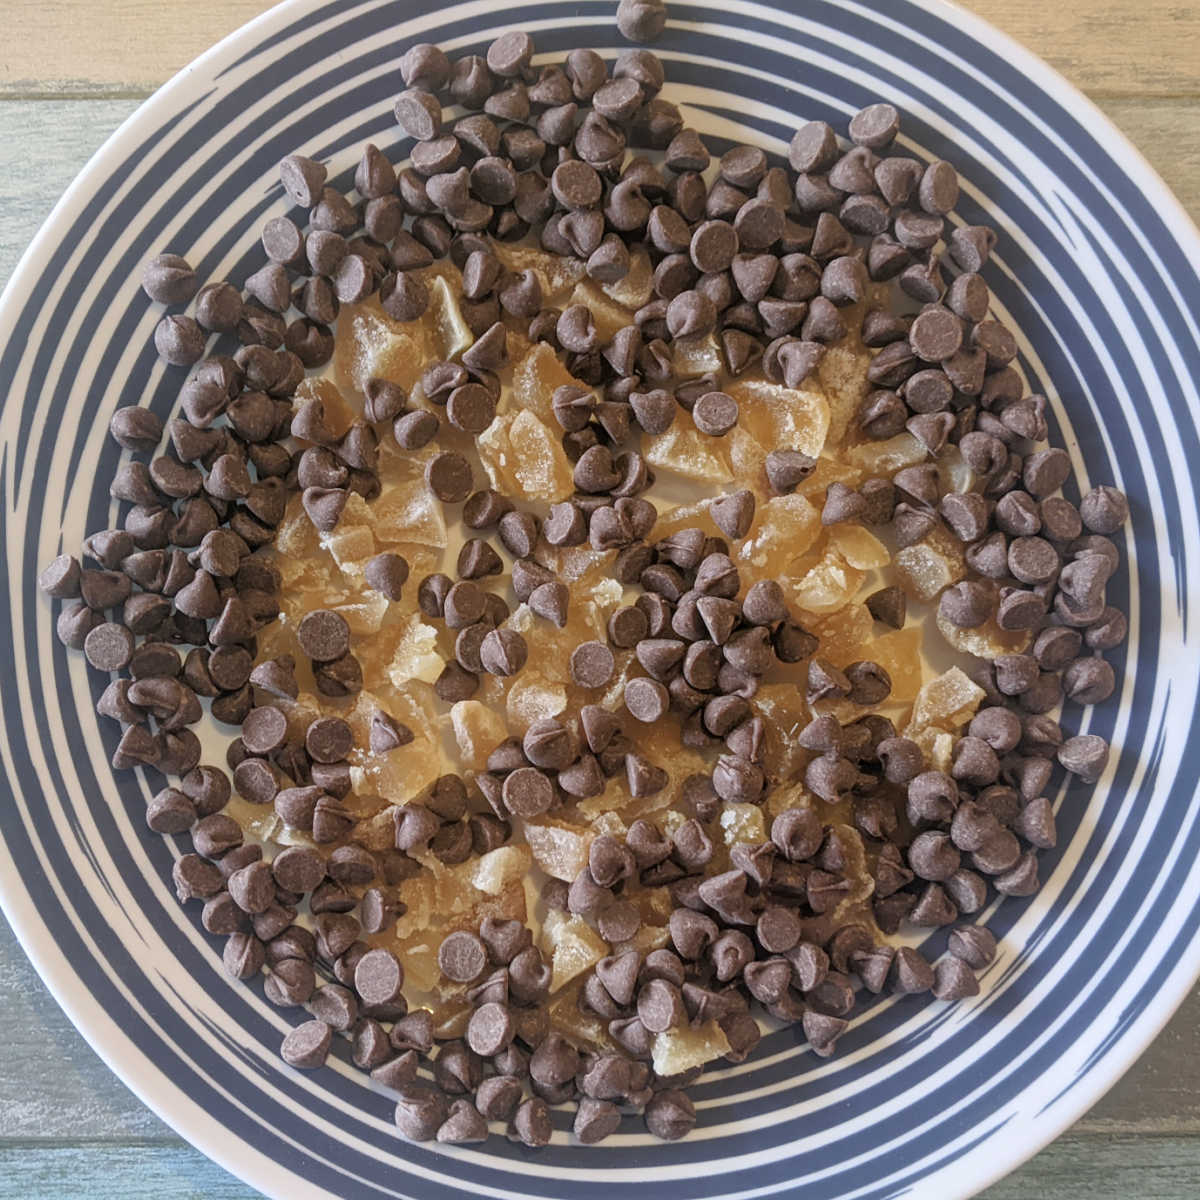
<point>68,1127</point>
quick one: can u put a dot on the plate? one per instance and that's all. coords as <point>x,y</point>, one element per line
<point>1097,267</point>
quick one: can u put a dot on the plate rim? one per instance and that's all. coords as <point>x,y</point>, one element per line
<point>119,1053</point>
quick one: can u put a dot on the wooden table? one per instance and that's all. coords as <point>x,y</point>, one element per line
<point>71,71</point>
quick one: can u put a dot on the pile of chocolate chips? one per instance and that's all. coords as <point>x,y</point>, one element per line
<point>765,256</point>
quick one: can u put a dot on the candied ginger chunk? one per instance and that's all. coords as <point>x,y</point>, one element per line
<point>748,461</point>
<point>409,512</point>
<point>899,654</point>
<point>577,947</point>
<point>859,547</point>
<point>400,775</point>
<point>946,701</point>
<point>535,379</point>
<point>556,273</point>
<point>339,413</point>
<point>444,320</point>
<point>492,872</point>
<point>742,823</point>
<point>842,633</point>
<point>843,375</point>
<point>888,456</point>
<point>696,354</point>
<point>296,538</point>
<point>928,566</point>
<point>685,451</point>
<point>637,287</point>
<point>416,655</point>
<point>364,614</point>
<point>827,585</point>
<point>681,1049</point>
<point>523,457</point>
<point>607,315</point>
<point>684,516</point>
<point>478,730</point>
<point>533,698</point>
<point>985,641</point>
<point>779,417</point>
<point>350,548</point>
<point>784,528</point>
<point>937,746</point>
<point>378,348</point>
<point>561,850</point>
<point>784,712</point>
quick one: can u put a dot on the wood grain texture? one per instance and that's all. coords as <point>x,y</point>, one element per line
<point>68,1127</point>
<point>82,47</point>
<point>1074,1168</point>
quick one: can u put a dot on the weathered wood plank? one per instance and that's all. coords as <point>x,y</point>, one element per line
<point>1118,1168</point>
<point>1074,1168</point>
<point>1167,132</point>
<point>52,1084</point>
<point>43,146</point>
<point>54,47</point>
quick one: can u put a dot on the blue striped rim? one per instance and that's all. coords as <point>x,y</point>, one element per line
<point>842,1145</point>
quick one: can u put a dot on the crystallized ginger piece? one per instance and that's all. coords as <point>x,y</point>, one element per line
<point>637,287</point>
<point>492,872</point>
<point>888,456</point>
<point>576,947</point>
<point>748,462</point>
<point>350,548</point>
<point>842,372</point>
<point>828,470</point>
<point>535,379</point>
<point>681,1049</point>
<point>377,348</point>
<point>936,745</point>
<point>478,730</point>
<point>556,273</point>
<point>364,613</point>
<point>443,320</point>
<point>296,537</point>
<point>409,512</point>
<point>826,586</point>
<point>742,823</point>
<point>947,701</point>
<point>928,566</point>
<point>400,775</point>
<point>841,633</point>
<point>416,655</point>
<point>784,528</point>
<point>696,354</point>
<point>985,641</point>
<point>580,1028</point>
<point>782,418</point>
<point>859,547</point>
<point>560,849</point>
<point>524,459</point>
<point>532,697</point>
<point>684,516</point>
<point>339,413</point>
<point>899,654</point>
<point>784,712</point>
<point>576,564</point>
<point>684,451</point>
